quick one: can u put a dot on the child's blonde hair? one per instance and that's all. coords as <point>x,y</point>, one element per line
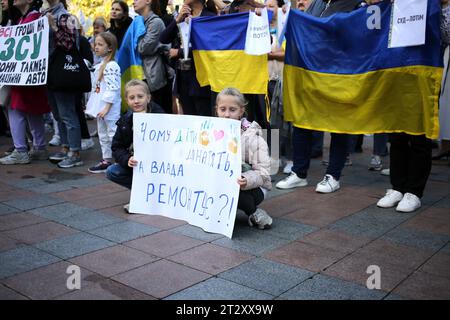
<point>240,99</point>
<point>137,83</point>
<point>111,41</point>
<point>100,21</point>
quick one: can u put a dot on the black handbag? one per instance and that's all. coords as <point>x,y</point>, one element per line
<point>68,72</point>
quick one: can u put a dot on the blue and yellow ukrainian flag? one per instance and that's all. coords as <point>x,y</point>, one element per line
<point>128,58</point>
<point>218,45</point>
<point>339,76</point>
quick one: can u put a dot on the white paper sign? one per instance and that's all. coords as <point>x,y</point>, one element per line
<point>281,23</point>
<point>185,31</point>
<point>408,23</point>
<point>257,40</point>
<point>188,169</point>
<point>24,53</point>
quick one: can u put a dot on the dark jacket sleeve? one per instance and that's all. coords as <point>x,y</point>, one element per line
<point>121,142</point>
<point>85,50</point>
<point>170,33</point>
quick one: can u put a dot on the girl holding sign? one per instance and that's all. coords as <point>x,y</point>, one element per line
<point>255,179</point>
<point>104,102</point>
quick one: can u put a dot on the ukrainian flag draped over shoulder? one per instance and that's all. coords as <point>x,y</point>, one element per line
<point>339,76</point>
<point>218,45</point>
<point>128,58</point>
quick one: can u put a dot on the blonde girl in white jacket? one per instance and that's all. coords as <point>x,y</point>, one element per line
<point>255,179</point>
<point>104,102</point>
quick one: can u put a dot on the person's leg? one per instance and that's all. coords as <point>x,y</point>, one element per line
<point>338,154</point>
<point>120,175</point>
<point>103,138</point>
<point>60,128</point>
<point>419,164</point>
<point>37,128</point>
<point>317,144</point>
<point>66,102</point>
<point>380,141</point>
<point>246,202</point>
<point>399,159</point>
<point>301,151</point>
<point>81,117</point>
<point>18,125</point>
<point>111,128</point>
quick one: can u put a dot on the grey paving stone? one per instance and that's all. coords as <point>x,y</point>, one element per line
<point>371,222</point>
<point>322,287</point>
<point>196,233</point>
<point>219,289</point>
<point>7,209</point>
<point>23,259</point>
<point>393,296</point>
<point>251,242</point>
<point>60,211</point>
<point>287,229</point>
<point>8,294</point>
<point>84,182</point>
<point>446,249</point>
<point>89,221</point>
<point>268,276</point>
<point>124,231</point>
<point>40,185</point>
<point>444,203</point>
<point>51,188</point>
<point>74,245</point>
<point>417,238</point>
<point>33,202</point>
<point>31,183</point>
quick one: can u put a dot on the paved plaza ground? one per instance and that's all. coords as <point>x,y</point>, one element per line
<point>319,246</point>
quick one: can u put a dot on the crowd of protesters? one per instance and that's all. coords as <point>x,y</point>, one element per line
<point>171,87</point>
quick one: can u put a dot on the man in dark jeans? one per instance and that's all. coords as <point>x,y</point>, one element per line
<point>303,139</point>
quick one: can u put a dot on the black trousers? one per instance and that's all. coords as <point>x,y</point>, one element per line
<point>82,118</point>
<point>163,97</point>
<point>249,200</point>
<point>410,162</point>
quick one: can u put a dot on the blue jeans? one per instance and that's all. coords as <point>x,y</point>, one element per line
<point>302,142</point>
<point>120,175</point>
<point>64,110</point>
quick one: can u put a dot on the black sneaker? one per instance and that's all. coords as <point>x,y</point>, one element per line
<point>100,167</point>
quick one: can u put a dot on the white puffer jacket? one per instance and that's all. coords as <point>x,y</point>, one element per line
<point>255,153</point>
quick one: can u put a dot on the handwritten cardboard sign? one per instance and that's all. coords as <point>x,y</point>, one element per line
<point>188,169</point>
<point>24,53</point>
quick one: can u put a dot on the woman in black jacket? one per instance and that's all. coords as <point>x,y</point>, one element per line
<point>120,20</point>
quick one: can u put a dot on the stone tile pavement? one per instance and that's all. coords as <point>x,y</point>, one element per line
<point>319,247</point>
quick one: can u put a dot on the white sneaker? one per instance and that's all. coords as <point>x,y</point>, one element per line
<point>87,144</point>
<point>409,203</point>
<point>386,172</point>
<point>375,163</point>
<point>260,219</point>
<point>288,167</point>
<point>56,141</point>
<point>126,208</point>
<point>291,181</point>
<point>391,199</point>
<point>328,184</point>
<point>16,157</point>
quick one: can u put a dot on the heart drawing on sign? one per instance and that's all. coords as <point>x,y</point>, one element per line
<point>219,134</point>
